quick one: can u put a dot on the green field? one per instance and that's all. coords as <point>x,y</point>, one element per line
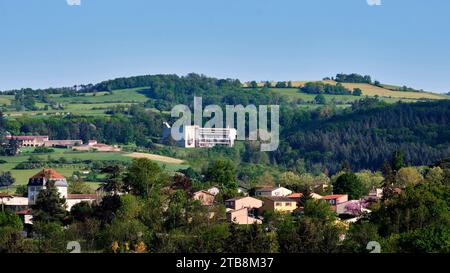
<point>5,99</point>
<point>67,170</point>
<point>87,104</point>
<point>117,96</point>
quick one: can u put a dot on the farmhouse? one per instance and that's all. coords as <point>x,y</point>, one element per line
<point>100,147</point>
<point>63,143</point>
<point>28,141</point>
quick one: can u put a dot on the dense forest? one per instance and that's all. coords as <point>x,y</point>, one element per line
<point>365,136</point>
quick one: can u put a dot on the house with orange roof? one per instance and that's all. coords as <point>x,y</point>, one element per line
<point>335,199</point>
<point>38,182</point>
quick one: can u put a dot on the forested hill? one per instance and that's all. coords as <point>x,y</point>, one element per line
<point>366,138</point>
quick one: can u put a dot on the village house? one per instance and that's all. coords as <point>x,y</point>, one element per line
<point>241,217</point>
<point>205,197</point>
<point>241,210</point>
<point>39,182</point>
<point>278,203</point>
<point>243,202</point>
<point>335,199</point>
<point>272,191</point>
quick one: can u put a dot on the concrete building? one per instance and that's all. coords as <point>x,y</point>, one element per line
<point>195,136</point>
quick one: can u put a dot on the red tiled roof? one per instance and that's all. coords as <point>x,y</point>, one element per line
<point>24,212</point>
<point>295,195</point>
<point>82,196</point>
<point>333,196</point>
<point>48,174</point>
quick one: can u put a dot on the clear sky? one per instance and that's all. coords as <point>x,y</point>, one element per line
<point>47,43</point>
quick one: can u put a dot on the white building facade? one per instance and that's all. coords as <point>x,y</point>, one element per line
<point>196,137</point>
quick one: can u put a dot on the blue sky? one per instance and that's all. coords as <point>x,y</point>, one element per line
<point>49,43</point>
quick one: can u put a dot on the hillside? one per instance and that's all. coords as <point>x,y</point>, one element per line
<point>368,136</point>
<point>370,90</point>
<point>361,130</point>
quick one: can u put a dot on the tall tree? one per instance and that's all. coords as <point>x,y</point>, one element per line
<point>142,176</point>
<point>2,123</point>
<point>397,161</point>
<point>6,179</point>
<point>389,181</point>
<point>222,173</point>
<point>349,183</point>
<point>114,179</point>
<point>49,206</point>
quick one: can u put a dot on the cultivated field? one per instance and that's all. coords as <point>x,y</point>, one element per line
<point>294,94</point>
<point>367,90</point>
<point>159,158</point>
<point>169,164</point>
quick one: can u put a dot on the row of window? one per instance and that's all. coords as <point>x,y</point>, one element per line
<point>286,204</point>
